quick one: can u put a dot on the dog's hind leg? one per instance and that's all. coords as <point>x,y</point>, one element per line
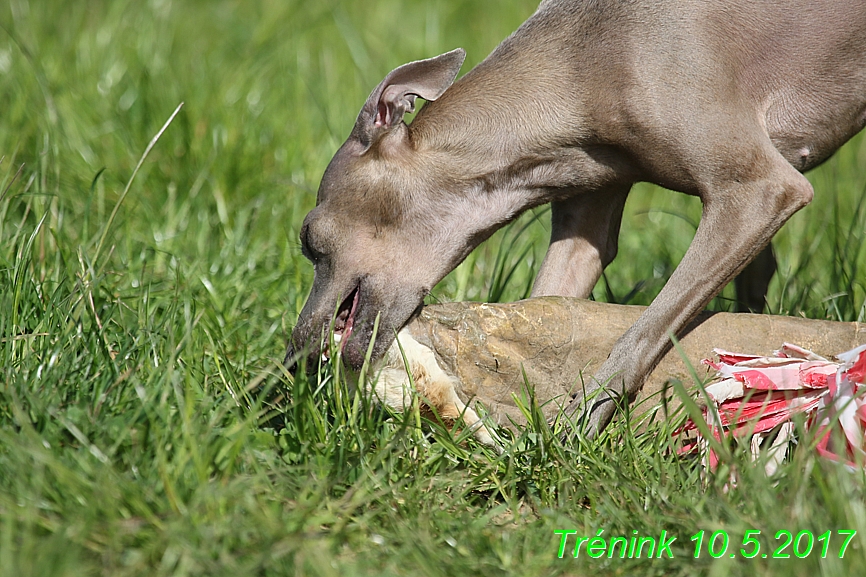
<point>752,283</point>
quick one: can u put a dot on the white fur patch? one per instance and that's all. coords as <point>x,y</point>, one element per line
<point>438,390</point>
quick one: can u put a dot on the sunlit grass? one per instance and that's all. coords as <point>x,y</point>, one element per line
<point>146,424</point>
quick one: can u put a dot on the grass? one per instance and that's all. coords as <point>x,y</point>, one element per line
<point>145,425</point>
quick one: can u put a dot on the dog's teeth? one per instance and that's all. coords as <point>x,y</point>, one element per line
<point>337,338</point>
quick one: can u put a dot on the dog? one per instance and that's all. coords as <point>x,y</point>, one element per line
<point>729,101</point>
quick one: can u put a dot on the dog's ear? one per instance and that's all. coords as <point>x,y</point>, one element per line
<point>395,95</point>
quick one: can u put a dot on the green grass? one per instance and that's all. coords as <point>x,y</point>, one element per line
<point>145,425</point>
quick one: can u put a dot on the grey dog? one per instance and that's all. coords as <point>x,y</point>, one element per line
<point>727,100</point>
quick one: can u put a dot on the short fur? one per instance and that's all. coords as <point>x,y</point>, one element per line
<point>727,100</point>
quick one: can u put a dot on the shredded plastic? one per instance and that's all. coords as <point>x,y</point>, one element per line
<point>759,396</point>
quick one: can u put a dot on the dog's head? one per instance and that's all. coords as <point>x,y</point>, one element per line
<point>380,235</point>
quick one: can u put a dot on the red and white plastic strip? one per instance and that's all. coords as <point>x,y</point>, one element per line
<point>753,395</point>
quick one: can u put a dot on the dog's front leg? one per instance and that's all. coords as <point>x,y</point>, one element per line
<point>740,216</point>
<point>583,240</point>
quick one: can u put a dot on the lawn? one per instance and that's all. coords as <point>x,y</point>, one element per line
<point>146,427</point>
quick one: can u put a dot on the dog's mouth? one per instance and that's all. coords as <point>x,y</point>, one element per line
<point>344,322</point>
